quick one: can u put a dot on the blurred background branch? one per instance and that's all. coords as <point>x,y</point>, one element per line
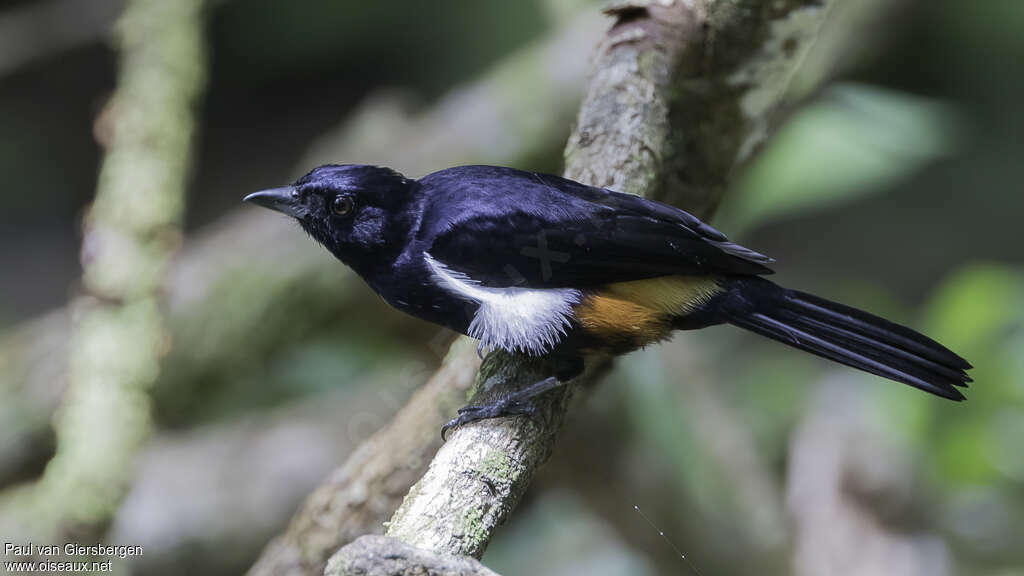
<point>845,484</point>
<point>132,230</point>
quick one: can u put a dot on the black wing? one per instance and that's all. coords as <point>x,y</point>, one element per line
<point>504,227</point>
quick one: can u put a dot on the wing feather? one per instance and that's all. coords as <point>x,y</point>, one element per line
<point>505,227</point>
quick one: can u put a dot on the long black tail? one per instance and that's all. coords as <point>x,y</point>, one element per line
<point>844,334</point>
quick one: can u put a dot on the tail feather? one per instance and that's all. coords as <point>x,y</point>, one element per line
<point>872,325</point>
<point>880,350</point>
<point>845,335</point>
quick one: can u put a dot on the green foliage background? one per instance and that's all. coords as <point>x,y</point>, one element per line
<point>896,189</point>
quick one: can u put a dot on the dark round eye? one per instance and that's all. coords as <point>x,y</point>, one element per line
<point>342,204</point>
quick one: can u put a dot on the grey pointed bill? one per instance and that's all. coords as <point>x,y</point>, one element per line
<point>283,200</point>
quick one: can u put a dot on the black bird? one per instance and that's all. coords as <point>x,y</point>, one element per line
<point>542,265</point>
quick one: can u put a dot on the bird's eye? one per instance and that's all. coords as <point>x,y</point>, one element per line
<point>342,205</point>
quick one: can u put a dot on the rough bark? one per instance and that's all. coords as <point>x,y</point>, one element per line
<point>384,556</point>
<point>132,230</point>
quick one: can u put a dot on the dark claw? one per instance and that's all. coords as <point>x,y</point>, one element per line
<point>466,415</point>
<point>444,429</point>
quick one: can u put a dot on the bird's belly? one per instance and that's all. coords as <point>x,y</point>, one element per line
<point>425,301</point>
<point>437,308</point>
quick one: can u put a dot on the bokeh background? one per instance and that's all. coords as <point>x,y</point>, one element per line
<point>894,187</point>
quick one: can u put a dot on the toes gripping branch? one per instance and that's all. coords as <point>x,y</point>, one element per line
<point>522,402</point>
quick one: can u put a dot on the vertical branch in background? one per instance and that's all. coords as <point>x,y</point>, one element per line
<point>131,232</point>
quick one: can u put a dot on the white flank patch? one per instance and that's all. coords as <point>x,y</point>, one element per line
<point>517,319</point>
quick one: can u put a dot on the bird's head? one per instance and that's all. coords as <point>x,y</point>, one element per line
<point>355,211</point>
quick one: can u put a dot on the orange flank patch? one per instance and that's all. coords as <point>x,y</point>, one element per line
<point>674,295</point>
<point>612,317</point>
<point>637,313</point>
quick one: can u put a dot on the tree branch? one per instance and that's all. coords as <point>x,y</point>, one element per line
<point>384,556</point>
<point>680,96</point>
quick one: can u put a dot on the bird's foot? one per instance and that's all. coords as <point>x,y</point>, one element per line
<point>519,403</point>
<point>497,409</point>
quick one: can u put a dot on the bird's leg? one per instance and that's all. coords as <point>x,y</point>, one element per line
<point>519,403</point>
<point>522,402</point>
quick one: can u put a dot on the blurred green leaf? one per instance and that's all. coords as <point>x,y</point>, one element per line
<point>976,305</point>
<point>979,312</point>
<point>855,141</point>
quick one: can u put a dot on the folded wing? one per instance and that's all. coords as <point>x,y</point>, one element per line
<point>512,228</point>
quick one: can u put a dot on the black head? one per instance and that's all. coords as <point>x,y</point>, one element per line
<point>355,211</point>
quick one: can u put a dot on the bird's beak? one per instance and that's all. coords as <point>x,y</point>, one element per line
<point>279,199</point>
